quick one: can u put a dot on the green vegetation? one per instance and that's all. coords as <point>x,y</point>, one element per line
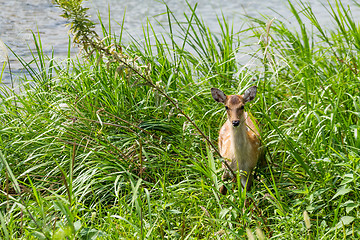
<point>119,145</point>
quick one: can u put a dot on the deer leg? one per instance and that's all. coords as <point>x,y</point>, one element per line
<point>227,174</point>
<point>246,180</point>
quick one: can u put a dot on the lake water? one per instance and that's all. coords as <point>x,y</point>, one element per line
<point>19,18</point>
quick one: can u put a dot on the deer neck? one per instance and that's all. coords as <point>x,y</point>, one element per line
<point>239,135</point>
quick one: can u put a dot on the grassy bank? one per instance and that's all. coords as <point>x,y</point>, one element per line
<point>118,145</point>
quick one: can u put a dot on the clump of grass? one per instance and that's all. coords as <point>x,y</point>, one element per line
<point>121,145</point>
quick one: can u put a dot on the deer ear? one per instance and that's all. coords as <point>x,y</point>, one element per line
<point>250,94</point>
<point>218,95</point>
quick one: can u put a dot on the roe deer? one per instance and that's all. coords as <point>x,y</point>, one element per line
<point>238,137</point>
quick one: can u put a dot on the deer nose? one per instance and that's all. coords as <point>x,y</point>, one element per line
<point>235,123</point>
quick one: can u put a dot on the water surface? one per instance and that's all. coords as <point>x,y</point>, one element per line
<point>20,18</point>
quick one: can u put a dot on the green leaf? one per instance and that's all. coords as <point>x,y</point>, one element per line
<point>350,205</point>
<point>10,173</point>
<point>3,225</point>
<point>59,234</point>
<point>348,178</point>
<point>38,235</point>
<point>175,211</point>
<point>223,213</point>
<point>345,220</point>
<point>77,225</point>
<point>341,192</point>
<point>91,234</point>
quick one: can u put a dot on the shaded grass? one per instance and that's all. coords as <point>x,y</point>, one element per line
<point>90,151</point>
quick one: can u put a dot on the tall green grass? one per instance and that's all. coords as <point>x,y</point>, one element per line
<point>88,149</point>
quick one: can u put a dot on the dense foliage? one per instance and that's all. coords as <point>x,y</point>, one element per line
<point>120,144</point>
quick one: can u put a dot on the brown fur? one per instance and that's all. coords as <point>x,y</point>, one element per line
<point>239,144</point>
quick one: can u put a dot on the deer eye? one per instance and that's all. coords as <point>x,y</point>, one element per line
<point>226,107</point>
<point>242,107</point>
